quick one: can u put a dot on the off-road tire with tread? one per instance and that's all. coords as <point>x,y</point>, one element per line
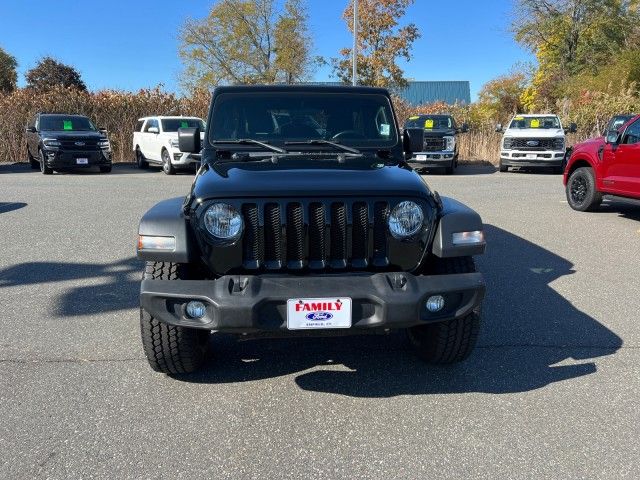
<point>451,341</point>
<point>170,349</point>
<point>581,191</point>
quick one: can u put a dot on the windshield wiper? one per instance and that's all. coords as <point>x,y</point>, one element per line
<point>325,142</point>
<point>250,141</point>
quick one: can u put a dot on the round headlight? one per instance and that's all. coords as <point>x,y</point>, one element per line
<point>405,220</point>
<point>223,221</point>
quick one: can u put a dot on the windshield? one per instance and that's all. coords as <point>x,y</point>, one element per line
<point>535,122</point>
<point>173,124</point>
<point>276,118</point>
<point>430,122</point>
<point>617,121</point>
<point>66,123</point>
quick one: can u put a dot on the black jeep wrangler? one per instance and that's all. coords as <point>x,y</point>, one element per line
<point>306,219</point>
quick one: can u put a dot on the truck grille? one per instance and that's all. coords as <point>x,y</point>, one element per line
<point>542,144</point>
<point>74,144</point>
<point>317,234</point>
<point>434,144</point>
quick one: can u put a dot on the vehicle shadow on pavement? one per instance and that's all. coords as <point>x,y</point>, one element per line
<point>6,207</point>
<point>531,337</point>
<point>98,287</point>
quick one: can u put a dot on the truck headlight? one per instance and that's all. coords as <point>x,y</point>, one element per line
<point>223,221</point>
<point>558,144</point>
<point>51,143</point>
<point>450,142</point>
<point>104,144</point>
<point>174,143</point>
<point>507,143</point>
<point>405,220</point>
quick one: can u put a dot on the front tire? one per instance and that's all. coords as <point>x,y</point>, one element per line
<point>451,341</point>
<point>167,167</point>
<point>581,191</point>
<point>170,349</point>
<point>106,169</point>
<point>141,161</point>
<point>503,168</point>
<point>35,165</point>
<point>43,165</point>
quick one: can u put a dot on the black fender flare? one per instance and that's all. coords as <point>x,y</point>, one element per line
<point>456,217</point>
<point>167,219</point>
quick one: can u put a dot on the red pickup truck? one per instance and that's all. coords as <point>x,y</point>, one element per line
<point>608,165</point>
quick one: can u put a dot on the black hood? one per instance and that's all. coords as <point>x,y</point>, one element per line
<point>308,178</point>
<point>440,133</point>
<point>72,135</point>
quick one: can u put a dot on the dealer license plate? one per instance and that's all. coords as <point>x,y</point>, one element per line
<point>531,156</point>
<point>82,161</point>
<point>421,158</point>
<point>318,313</point>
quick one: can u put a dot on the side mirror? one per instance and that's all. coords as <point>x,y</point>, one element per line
<point>464,128</point>
<point>31,129</point>
<point>189,140</point>
<point>499,128</point>
<point>573,128</point>
<point>613,137</point>
<point>412,140</point>
<point>153,130</point>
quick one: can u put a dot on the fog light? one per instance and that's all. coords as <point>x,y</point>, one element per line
<point>196,309</point>
<point>435,303</point>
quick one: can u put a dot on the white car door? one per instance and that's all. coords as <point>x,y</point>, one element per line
<point>151,140</point>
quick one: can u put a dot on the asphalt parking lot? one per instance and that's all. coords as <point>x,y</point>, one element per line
<point>552,391</point>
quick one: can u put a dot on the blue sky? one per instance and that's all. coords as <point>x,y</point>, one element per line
<point>133,44</point>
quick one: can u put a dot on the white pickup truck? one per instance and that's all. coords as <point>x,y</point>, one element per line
<point>155,141</point>
<point>534,141</point>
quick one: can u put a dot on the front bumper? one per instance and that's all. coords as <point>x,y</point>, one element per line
<point>433,159</point>
<point>179,158</point>
<point>515,158</point>
<point>252,304</point>
<point>59,159</point>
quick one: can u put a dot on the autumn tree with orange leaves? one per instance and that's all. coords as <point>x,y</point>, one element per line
<point>381,42</point>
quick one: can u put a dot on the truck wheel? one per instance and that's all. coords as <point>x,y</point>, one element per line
<point>581,190</point>
<point>167,168</point>
<point>106,169</point>
<point>35,165</point>
<point>170,349</point>
<point>141,162</point>
<point>43,165</point>
<point>451,341</point>
<point>503,168</point>
<point>449,170</point>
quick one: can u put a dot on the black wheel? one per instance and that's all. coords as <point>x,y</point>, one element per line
<point>170,349</point>
<point>503,168</point>
<point>581,190</point>
<point>35,165</point>
<point>105,169</point>
<point>43,165</point>
<point>449,170</point>
<point>451,341</point>
<point>141,162</point>
<point>167,168</point>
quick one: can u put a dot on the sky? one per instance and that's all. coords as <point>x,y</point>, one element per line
<point>133,44</point>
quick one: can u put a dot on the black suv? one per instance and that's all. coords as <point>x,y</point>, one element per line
<point>305,219</point>
<point>440,149</point>
<point>61,142</point>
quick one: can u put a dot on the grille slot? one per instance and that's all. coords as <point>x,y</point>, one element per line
<point>295,236</point>
<point>317,250</point>
<point>272,237</point>
<point>338,236</point>
<point>251,242</point>
<point>360,235</point>
<point>380,234</point>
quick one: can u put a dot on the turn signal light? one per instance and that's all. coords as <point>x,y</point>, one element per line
<point>167,244</point>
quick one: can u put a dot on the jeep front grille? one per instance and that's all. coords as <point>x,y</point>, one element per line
<point>320,235</point>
